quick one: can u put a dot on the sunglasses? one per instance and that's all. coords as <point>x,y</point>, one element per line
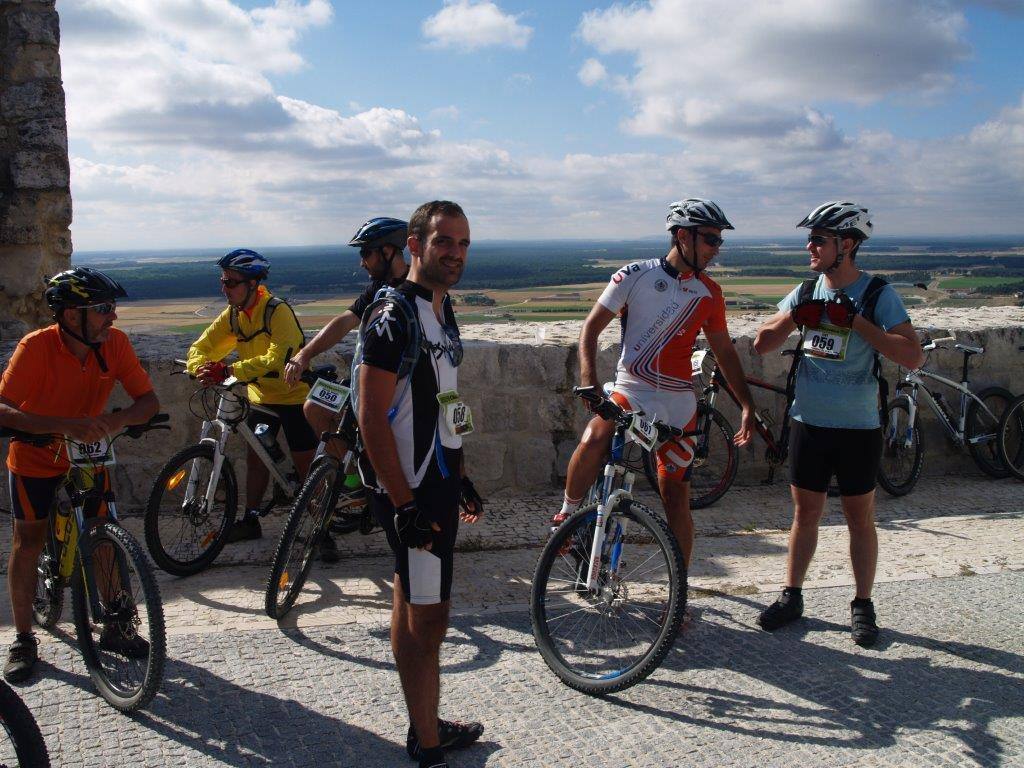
<point>105,308</point>
<point>230,283</point>
<point>366,252</point>
<point>818,240</point>
<point>711,240</point>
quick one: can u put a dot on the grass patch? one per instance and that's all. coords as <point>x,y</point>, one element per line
<point>975,282</point>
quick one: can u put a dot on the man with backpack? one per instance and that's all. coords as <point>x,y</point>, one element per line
<point>265,333</point>
<point>847,318</point>
<point>411,422</point>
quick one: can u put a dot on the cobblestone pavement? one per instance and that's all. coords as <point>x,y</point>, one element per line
<point>943,688</point>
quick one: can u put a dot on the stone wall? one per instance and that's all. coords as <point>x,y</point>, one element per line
<point>35,195</point>
<point>527,423</point>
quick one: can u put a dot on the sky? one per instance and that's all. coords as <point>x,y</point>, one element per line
<point>225,123</point>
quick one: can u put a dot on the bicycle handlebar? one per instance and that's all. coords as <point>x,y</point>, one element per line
<point>45,438</point>
<point>612,411</point>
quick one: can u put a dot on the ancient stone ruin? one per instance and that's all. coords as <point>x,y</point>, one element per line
<point>35,193</point>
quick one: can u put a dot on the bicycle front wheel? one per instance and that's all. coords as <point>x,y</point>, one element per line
<point>902,451</point>
<point>1011,438</point>
<point>184,533</point>
<point>24,745</point>
<point>981,427</point>
<point>305,526</point>
<point>608,638</point>
<point>121,630</point>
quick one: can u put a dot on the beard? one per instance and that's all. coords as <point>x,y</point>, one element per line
<point>438,274</point>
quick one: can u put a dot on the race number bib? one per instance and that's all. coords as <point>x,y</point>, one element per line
<point>329,394</point>
<point>697,361</point>
<point>827,342</point>
<point>643,432</point>
<point>99,453</point>
<point>458,419</point>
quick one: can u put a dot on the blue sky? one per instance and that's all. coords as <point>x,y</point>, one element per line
<point>214,123</point>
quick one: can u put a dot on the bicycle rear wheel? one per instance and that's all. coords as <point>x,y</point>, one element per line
<point>715,460</point>
<point>981,429</point>
<point>24,745</point>
<point>902,451</point>
<point>48,603</point>
<point>1011,438</point>
<point>184,535</point>
<point>123,642</point>
<point>610,638</point>
<point>305,526</point>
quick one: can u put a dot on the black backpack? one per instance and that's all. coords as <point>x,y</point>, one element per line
<point>867,310</point>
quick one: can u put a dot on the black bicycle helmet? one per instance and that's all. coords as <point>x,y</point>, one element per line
<point>81,287</point>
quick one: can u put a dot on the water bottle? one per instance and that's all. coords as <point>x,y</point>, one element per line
<point>353,481</point>
<point>766,417</point>
<point>269,441</point>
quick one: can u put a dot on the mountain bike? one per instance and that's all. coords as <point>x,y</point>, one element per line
<point>974,423</point>
<point>332,498</point>
<point>1011,436</point>
<point>119,618</point>
<point>194,498</point>
<point>609,590</point>
<point>21,743</point>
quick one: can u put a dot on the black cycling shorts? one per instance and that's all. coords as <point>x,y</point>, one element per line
<point>297,432</point>
<point>32,497</point>
<point>818,453</point>
<point>426,575</point>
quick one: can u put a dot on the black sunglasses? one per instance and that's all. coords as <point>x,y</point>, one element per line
<point>366,252</point>
<point>227,281</point>
<point>711,240</point>
<point>818,240</point>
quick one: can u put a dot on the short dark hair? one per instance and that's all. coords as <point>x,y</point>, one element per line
<point>419,223</point>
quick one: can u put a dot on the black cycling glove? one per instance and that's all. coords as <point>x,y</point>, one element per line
<point>469,496</point>
<point>412,526</point>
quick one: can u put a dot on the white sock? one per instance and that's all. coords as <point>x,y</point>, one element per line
<point>569,505</point>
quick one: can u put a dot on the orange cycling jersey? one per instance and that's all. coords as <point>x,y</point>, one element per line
<point>45,378</point>
<point>662,312</point>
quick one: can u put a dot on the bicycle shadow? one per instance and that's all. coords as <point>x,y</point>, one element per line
<point>858,699</point>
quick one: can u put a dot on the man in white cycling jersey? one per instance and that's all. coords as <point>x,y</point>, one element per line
<point>663,303</point>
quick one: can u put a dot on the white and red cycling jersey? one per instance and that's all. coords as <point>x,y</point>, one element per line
<point>662,312</point>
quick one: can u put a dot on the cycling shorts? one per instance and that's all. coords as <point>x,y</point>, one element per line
<point>818,453</point>
<point>32,498</point>
<point>426,576</point>
<point>677,409</point>
<point>297,432</point>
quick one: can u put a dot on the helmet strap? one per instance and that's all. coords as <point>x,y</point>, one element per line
<point>84,338</point>
<point>693,248</point>
<point>839,253</point>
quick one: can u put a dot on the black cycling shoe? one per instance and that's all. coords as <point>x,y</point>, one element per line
<point>433,758</point>
<point>328,549</point>
<point>245,529</point>
<point>862,623</point>
<point>453,735</point>
<point>21,657</point>
<point>789,607</point>
<point>115,640</point>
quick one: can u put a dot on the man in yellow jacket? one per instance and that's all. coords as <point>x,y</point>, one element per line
<point>265,333</point>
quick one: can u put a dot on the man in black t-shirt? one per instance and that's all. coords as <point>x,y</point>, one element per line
<point>381,244</point>
<point>411,422</point>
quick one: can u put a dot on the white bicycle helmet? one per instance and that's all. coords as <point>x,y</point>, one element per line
<point>843,218</point>
<point>695,212</point>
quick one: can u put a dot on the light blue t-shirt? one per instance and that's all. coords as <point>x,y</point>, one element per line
<point>843,393</point>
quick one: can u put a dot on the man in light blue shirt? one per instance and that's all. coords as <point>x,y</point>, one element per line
<point>847,318</point>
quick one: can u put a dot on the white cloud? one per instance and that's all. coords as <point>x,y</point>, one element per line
<point>730,67</point>
<point>468,26</point>
<point>592,72</point>
<point>450,112</point>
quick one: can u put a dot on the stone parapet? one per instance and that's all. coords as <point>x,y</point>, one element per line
<point>527,423</point>
<point>35,193</point>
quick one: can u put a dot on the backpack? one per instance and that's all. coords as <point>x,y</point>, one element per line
<point>413,346</point>
<point>867,309</point>
<point>268,311</point>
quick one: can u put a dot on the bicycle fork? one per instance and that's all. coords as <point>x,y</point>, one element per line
<point>610,500</point>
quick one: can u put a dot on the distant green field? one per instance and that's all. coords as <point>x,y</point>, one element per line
<point>193,328</point>
<point>975,282</point>
<point>755,281</point>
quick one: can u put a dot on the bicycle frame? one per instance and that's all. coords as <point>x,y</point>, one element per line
<point>610,498</point>
<point>915,382</point>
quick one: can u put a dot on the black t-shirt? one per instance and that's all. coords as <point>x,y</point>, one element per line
<point>417,420</point>
<point>365,299</point>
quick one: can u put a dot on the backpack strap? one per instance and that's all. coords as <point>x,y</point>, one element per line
<point>867,309</point>
<point>268,311</point>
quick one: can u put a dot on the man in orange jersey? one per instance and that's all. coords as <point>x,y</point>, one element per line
<point>58,381</point>
<point>663,303</point>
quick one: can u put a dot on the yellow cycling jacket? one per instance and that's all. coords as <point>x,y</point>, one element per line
<point>262,354</point>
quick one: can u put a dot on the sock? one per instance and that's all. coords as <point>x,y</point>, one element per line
<point>432,757</point>
<point>569,505</point>
<point>795,591</point>
<point>861,601</point>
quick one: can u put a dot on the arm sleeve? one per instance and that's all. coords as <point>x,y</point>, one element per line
<point>790,300</point>
<point>889,311</point>
<point>285,340</point>
<point>215,344</point>
<point>365,299</point>
<point>130,373</point>
<point>387,335</point>
<point>21,377</point>
<point>617,292</point>
<point>716,319</point>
